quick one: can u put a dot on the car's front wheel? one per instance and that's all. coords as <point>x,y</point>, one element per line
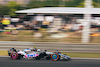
<point>55,57</point>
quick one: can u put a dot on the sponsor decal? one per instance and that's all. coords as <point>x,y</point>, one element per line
<point>31,55</point>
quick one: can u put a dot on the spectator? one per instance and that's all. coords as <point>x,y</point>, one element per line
<point>5,22</point>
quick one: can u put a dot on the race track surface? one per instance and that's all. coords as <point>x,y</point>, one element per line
<point>7,62</point>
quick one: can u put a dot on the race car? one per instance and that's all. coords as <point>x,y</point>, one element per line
<point>36,54</point>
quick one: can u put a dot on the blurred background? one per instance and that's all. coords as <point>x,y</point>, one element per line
<point>71,26</point>
<point>45,25</point>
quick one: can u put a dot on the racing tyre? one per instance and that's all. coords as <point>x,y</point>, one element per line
<point>55,57</point>
<point>14,56</point>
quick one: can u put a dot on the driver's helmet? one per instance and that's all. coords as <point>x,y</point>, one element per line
<point>34,49</point>
<point>39,50</point>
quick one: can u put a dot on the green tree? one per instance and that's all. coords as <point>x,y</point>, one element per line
<point>13,6</point>
<point>53,3</point>
<point>95,4</point>
<point>4,10</point>
<point>73,3</point>
<point>35,4</point>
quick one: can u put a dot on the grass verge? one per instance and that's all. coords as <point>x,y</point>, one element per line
<point>82,55</point>
<point>3,53</point>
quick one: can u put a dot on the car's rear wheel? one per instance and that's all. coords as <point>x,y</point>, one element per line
<point>14,56</point>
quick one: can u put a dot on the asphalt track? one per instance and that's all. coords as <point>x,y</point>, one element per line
<point>7,62</point>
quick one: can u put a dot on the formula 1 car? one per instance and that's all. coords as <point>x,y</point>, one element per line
<point>36,54</point>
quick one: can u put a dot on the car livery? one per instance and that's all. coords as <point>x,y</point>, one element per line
<point>28,53</point>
